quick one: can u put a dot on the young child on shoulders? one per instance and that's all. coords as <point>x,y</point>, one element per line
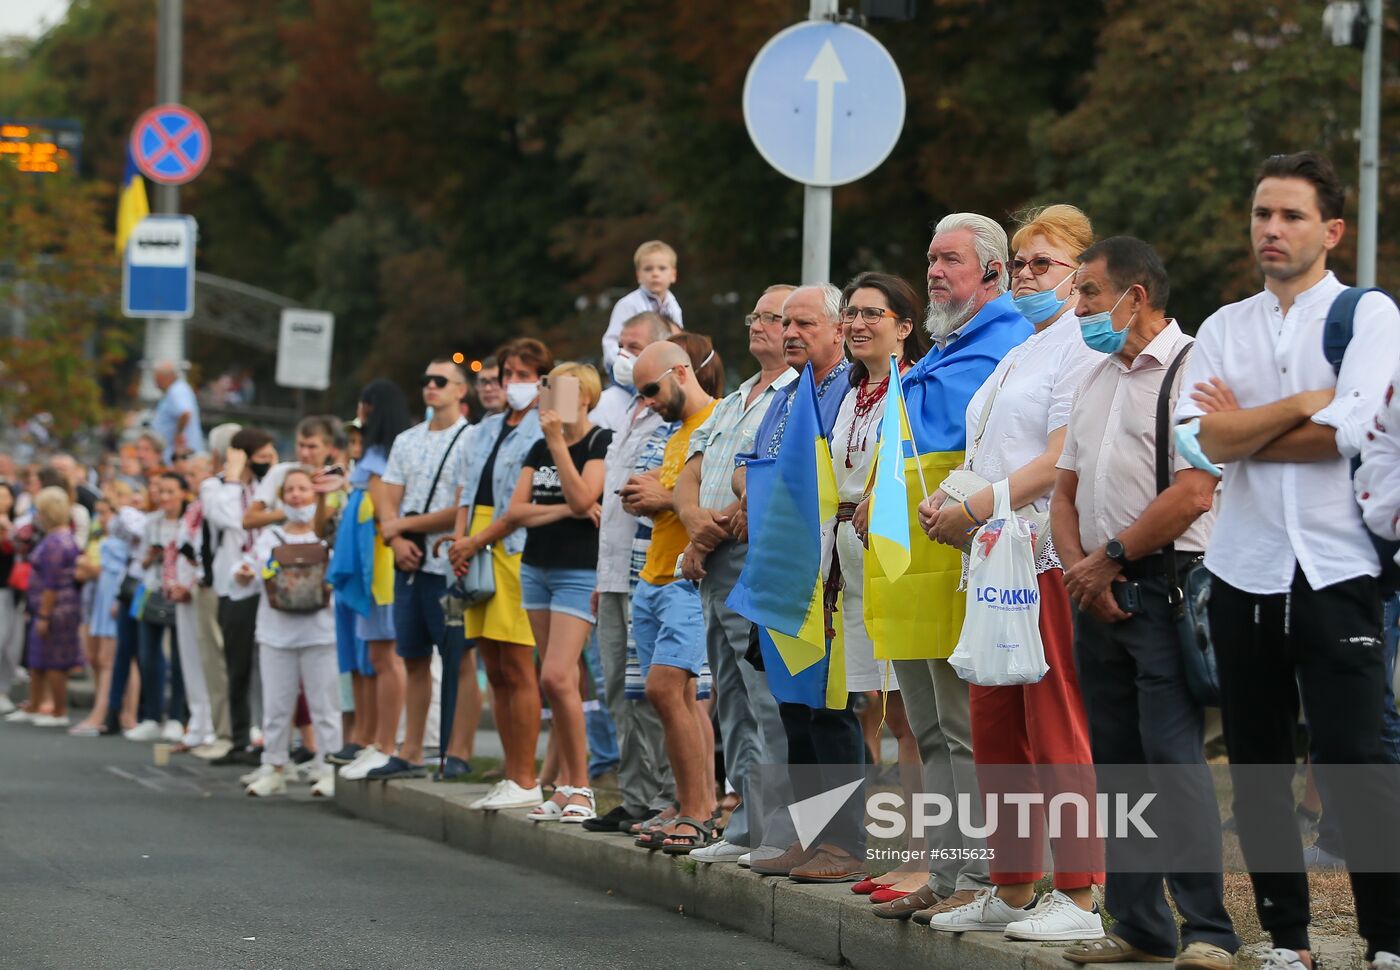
<point>656,274</point>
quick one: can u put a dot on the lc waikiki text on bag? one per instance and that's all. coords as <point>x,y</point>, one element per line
<point>1000,644</point>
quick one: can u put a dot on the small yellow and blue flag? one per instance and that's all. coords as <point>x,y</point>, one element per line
<point>132,205</point>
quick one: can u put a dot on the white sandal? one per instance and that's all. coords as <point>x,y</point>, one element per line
<point>578,813</point>
<point>549,810</point>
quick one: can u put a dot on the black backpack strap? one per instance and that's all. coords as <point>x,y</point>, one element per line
<point>1164,408</point>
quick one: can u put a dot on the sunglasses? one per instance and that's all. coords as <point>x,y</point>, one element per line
<point>654,388</point>
<point>870,314</point>
<point>1040,265</point>
<point>437,380</point>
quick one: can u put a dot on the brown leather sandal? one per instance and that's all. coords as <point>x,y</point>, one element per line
<point>907,906</point>
<point>1111,949</point>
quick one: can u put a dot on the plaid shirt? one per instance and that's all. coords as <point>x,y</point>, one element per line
<point>731,431</point>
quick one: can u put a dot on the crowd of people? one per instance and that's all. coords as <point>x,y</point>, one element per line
<point>573,525</point>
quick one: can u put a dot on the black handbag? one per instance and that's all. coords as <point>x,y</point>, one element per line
<point>129,588</point>
<point>157,609</point>
<point>1188,594</point>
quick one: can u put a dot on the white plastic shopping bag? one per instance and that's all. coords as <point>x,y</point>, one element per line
<point>1000,643</point>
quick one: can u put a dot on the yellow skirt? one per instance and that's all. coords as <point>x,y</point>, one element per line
<point>501,618</point>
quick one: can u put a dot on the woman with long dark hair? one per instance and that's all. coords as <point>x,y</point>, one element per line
<point>379,682</point>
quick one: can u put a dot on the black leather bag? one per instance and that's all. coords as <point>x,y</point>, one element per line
<point>1188,594</point>
<point>157,609</point>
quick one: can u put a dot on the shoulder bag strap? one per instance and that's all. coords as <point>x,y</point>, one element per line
<point>1164,408</point>
<point>432,489</point>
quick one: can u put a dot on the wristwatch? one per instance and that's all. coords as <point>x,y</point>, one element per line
<point>1114,550</point>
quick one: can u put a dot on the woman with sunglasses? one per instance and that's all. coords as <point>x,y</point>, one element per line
<point>487,537</point>
<point>1027,402</point>
<point>879,315</point>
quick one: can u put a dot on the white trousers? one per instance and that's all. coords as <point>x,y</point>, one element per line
<point>284,669</point>
<point>200,729</point>
<point>11,637</point>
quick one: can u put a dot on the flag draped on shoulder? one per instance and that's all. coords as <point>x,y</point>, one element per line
<point>132,205</point>
<point>916,613</point>
<point>781,589</point>
<point>889,499</point>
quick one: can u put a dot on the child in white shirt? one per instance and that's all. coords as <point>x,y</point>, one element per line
<point>656,274</point>
<point>293,649</point>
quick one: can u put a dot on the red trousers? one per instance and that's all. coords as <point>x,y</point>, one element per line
<point>1032,726</point>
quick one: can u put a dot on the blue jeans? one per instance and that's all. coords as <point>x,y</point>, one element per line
<point>603,754</point>
<point>128,647</point>
<point>150,657</point>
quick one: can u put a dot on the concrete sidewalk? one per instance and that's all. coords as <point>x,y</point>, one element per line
<point>826,922</point>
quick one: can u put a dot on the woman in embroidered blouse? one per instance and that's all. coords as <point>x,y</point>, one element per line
<point>878,319</point>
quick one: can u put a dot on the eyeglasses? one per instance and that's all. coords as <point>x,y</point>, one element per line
<point>870,314</point>
<point>437,380</point>
<point>767,319</point>
<point>654,388</point>
<point>488,382</point>
<point>1040,265</point>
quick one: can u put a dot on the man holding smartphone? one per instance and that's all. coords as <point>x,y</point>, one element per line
<point>1111,527</point>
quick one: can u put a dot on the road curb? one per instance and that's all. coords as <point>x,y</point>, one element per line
<point>825,922</point>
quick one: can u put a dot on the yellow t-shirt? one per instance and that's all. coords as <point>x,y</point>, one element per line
<point>668,535</point>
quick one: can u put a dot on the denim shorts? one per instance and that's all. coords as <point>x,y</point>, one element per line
<point>668,626</point>
<point>418,621</point>
<point>567,591</point>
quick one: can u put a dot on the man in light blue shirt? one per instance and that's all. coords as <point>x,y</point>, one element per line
<point>176,417</point>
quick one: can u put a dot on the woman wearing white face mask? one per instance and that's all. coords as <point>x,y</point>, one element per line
<point>488,475</point>
<point>294,647</point>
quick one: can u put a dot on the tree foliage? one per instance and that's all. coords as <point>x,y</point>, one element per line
<point>445,175</point>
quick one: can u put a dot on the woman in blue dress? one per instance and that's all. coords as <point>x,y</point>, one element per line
<point>113,553</point>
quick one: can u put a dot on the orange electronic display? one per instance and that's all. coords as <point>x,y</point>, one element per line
<point>41,146</point>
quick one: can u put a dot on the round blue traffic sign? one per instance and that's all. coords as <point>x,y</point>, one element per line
<point>170,144</point>
<point>824,103</point>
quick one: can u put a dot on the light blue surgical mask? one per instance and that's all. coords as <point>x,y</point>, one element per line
<point>1189,447</point>
<point>1097,330</point>
<point>1039,307</point>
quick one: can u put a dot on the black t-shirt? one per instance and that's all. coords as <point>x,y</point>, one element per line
<point>569,543</point>
<point>485,492</point>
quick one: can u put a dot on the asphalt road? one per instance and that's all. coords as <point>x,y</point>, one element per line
<point>109,862</point>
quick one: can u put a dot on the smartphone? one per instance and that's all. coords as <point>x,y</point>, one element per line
<point>1128,595</point>
<point>560,394</point>
<point>334,470</point>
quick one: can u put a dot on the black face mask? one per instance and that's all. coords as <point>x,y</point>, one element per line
<point>260,468</point>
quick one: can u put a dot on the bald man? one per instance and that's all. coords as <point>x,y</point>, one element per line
<point>667,623</point>
<point>176,417</point>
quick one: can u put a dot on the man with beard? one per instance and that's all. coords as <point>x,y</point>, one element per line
<point>973,323</point>
<point>666,617</point>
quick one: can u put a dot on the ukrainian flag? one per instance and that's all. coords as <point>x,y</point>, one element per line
<point>132,206</point>
<point>889,500</point>
<point>781,588</point>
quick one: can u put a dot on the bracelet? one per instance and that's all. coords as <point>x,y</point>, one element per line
<point>967,510</point>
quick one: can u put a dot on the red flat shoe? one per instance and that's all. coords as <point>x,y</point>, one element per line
<point>886,895</point>
<point>868,885</point>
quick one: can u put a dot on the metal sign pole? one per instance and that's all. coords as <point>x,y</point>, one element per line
<point>816,200</point>
<point>165,339</point>
<point>1370,147</point>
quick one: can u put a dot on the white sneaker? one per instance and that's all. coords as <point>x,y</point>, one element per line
<point>7,706</point>
<point>1057,917</point>
<point>745,860</point>
<point>987,911</point>
<point>255,736</point>
<point>272,783</point>
<point>212,750</point>
<point>511,795</point>
<point>49,720</point>
<point>313,773</point>
<point>174,732</point>
<point>491,793</point>
<point>248,777</point>
<point>325,787</point>
<point>145,731</point>
<point>19,716</point>
<point>1281,959</point>
<point>365,762</point>
<point>721,851</point>
<point>1386,960</point>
